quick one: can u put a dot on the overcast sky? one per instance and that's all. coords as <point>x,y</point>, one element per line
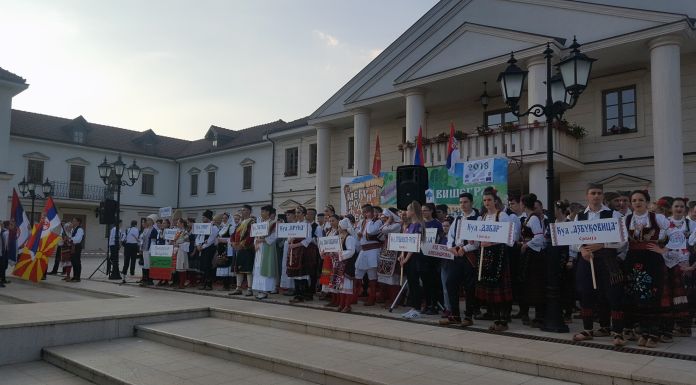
<point>179,66</point>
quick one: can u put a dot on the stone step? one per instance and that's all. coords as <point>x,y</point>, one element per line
<point>567,362</point>
<point>321,359</point>
<point>135,361</point>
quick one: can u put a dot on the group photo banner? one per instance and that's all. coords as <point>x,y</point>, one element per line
<point>445,185</point>
<point>485,231</point>
<point>609,230</point>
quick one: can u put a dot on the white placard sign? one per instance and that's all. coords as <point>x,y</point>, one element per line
<point>404,242</point>
<point>485,231</point>
<point>330,244</point>
<point>161,250</point>
<point>430,235</point>
<point>169,234</point>
<point>165,212</point>
<point>259,229</point>
<point>478,171</point>
<point>436,250</point>
<point>609,230</point>
<point>201,228</point>
<point>292,230</point>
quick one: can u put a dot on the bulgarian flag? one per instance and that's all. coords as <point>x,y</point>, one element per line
<point>377,161</point>
<point>42,243</point>
<point>419,159</point>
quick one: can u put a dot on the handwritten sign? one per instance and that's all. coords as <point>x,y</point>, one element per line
<point>330,244</point>
<point>436,250</point>
<point>485,231</point>
<point>430,235</point>
<point>259,229</point>
<point>609,230</point>
<point>404,242</point>
<point>293,230</point>
<point>169,234</point>
<point>165,212</point>
<point>201,228</point>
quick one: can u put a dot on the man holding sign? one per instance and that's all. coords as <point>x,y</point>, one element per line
<point>599,279</point>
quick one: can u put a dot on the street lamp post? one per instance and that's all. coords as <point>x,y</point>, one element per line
<point>112,175</point>
<point>30,188</point>
<point>562,93</point>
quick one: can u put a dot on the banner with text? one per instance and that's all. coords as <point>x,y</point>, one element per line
<point>259,229</point>
<point>161,261</point>
<point>201,228</point>
<point>330,244</point>
<point>169,234</point>
<point>485,231</point>
<point>609,230</point>
<point>436,250</point>
<point>165,212</point>
<point>404,242</point>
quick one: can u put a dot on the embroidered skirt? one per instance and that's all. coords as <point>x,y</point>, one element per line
<point>495,286</point>
<point>244,261</point>
<point>647,283</point>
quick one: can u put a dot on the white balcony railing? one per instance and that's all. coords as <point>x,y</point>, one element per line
<point>520,142</point>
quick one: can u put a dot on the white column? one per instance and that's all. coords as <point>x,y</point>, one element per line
<point>537,181</point>
<point>323,166</point>
<point>536,94</point>
<point>415,119</point>
<point>361,147</point>
<point>7,91</point>
<point>665,76</point>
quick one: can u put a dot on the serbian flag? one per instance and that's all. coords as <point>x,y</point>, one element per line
<point>377,161</point>
<point>42,243</point>
<point>22,222</point>
<point>419,159</point>
<point>452,150</point>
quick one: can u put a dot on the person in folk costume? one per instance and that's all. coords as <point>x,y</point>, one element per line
<point>221,263</point>
<point>181,249</point>
<point>517,262</point>
<point>568,261</point>
<point>329,211</point>
<point>411,261</point>
<point>532,245</point>
<point>162,225</point>
<point>287,284</point>
<point>462,269</point>
<point>495,286</point>
<point>608,297</point>
<point>344,270</point>
<point>301,254</point>
<point>66,251</point>
<point>149,238</point>
<point>648,293</point>
<point>370,247</point>
<point>194,257</point>
<point>265,265</point>
<point>77,238</point>
<point>206,244</point>
<point>224,248</point>
<point>430,266</point>
<point>387,267</point>
<point>56,261</point>
<point>244,251</point>
<point>329,261</point>
<point>317,232</point>
<point>676,257</point>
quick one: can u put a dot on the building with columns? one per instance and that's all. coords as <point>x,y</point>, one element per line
<point>638,112</point>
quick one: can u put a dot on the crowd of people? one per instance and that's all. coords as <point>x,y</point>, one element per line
<point>641,290</point>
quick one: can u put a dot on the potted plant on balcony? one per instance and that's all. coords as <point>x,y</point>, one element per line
<point>441,138</point>
<point>484,130</point>
<point>460,135</point>
<point>576,131</point>
<point>509,127</point>
<point>406,145</point>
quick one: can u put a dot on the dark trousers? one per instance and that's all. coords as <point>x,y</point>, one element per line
<point>428,271</point>
<point>56,260</point>
<point>130,255</point>
<point>207,268</point>
<point>113,257</point>
<point>462,273</point>
<point>415,292</point>
<point>607,298</point>
<point>3,267</point>
<point>76,260</point>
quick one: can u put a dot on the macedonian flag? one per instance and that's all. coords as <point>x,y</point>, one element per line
<point>33,259</point>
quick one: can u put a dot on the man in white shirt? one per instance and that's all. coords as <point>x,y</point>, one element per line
<point>130,249</point>
<point>207,249</point>
<point>114,247</point>
<point>76,237</point>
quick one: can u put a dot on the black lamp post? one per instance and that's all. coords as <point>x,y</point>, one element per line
<point>562,93</point>
<point>112,175</point>
<point>30,188</point>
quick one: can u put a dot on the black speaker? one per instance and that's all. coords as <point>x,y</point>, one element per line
<point>411,183</point>
<point>107,212</point>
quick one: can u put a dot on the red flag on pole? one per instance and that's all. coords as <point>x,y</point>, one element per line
<point>419,159</point>
<point>377,160</point>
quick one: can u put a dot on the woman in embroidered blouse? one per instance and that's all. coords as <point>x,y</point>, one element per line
<point>646,273</point>
<point>181,244</point>
<point>329,261</point>
<point>345,269</point>
<point>532,252</point>
<point>387,267</point>
<point>495,285</point>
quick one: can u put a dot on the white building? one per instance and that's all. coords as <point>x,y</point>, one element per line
<point>638,111</point>
<point>222,171</point>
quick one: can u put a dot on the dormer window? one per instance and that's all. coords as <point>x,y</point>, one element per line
<point>78,136</point>
<point>215,142</point>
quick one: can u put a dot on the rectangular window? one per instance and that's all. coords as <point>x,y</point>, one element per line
<point>79,136</point>
<point>291,157</point>
<point>194,184</point>
<point>351,152</point>
<point>35,172</point>
<point>211,182</point>
<point>619,110</point>
<point>495,119</point>
<point>312,158</point>
<point>77,181</point>
<point>246,178</point>
<point>148,184</point>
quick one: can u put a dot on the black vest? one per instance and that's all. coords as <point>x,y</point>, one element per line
<point>473,217</point>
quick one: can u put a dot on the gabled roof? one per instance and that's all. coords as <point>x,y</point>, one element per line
<point>10,77</point>
<point>57,129</point>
